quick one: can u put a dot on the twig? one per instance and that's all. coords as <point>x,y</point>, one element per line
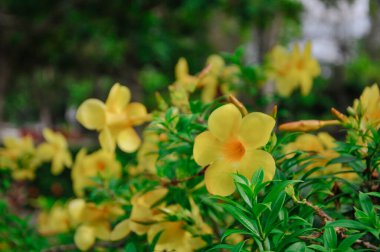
<point>178,181</point>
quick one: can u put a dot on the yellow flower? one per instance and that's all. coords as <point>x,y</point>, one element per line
<point>55,149</point>
<point>292,70</point>
<point>148,153</point>
<point>322,147</point>
<point>114,119</point>
<point>143,215</point>
<point>86,167</point>
<point>183,78</point>
<point>55,221</point>
<point>174,237</point>
<point>232,145</point>
<point>20,157</point>
<point>93,220</point>
<point>305,67</point>
<point>219,76</point>
<point>368,106</point>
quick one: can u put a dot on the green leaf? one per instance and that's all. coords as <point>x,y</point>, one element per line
<point>298,246</point>
<point>329,238</point>
<point>352,224</point>
<point>272,216</point>
<point>346,243</point>
<point>259,208</point>
<point>229,232</point>
<point>257,177</point>
<point>231,202</point>
<point>130,247</point>
<point>242,218</point>
<point>238,247</point>
<point>343,158</point>
<point>318,248</point>
<point>375,194</point>
<point>366,203</point>
<point>245,193</point>
<point>220,247</point>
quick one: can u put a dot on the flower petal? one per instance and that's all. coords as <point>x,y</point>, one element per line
<point>121,230</point>
<point>256,159</point>
<point>118,98</point>
<point>256,129</point>
<point>128,140</point>
<point>84,237</point>
<point>224,121</point>
<point>137,113</point>
<point>92,114</point>
<point>181,69</point>
<point>218,178</point>
<point>107,142</point>
<point>206,148</point>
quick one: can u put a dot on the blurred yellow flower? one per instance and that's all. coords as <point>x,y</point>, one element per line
<point>93,220</point>
<point>368,106</point>
<point>232,145</point>
<point>55,221</point>
<point>218,78</point>
<point>174,237</point>
<point>183,78</point>
<point>148,153</point>
<point>321,147</point>
<point>55,149</point>
<point>19,155</point>
<point>86,167</point>
<point>305,67</point>
<point>290,70</point>
<point>114,119</point>
<point>143,215</point>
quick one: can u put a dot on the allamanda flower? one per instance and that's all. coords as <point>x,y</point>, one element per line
<point>55,149</point>
<point>218,78</point>
<point>232,145</point>
<point>114,119</point>
<point>368,106</point>
<point>293,69</point>
<point>19,155</point>
<point>93,220</point>
<point>86,167</point>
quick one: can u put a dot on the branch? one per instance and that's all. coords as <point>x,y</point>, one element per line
<point>175,182</point>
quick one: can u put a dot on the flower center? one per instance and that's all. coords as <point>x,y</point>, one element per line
<point>233,149</point>
<point>101,166</point>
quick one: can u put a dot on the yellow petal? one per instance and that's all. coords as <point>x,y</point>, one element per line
<point>91,114</point>
<point>76,209</point>
<point>137,113</point>
<point>218,178</point>
<point>256,159</point>
<point>306,83</point>
<point>45,152</point>
<point>128,140</point>
<point>84,237</point>
<point>224,121</point>
<point>57,164</point>
<point>106,140</point>
<point>210,88</point>
<point>102,230</point>
<point>256,129</point>
<point>121,230</point>
<point>181,69</point>
<point>118,98</point>
<point>206,148</point>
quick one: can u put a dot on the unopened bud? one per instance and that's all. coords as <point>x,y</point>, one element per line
<point>306,125</point>
<point>341,117</point>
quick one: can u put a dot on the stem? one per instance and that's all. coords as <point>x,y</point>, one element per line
<point>175,182</point>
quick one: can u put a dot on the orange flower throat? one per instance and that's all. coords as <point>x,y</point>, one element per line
<point>233,149</point>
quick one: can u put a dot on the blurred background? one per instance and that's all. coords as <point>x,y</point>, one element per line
<point>55,54</point>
